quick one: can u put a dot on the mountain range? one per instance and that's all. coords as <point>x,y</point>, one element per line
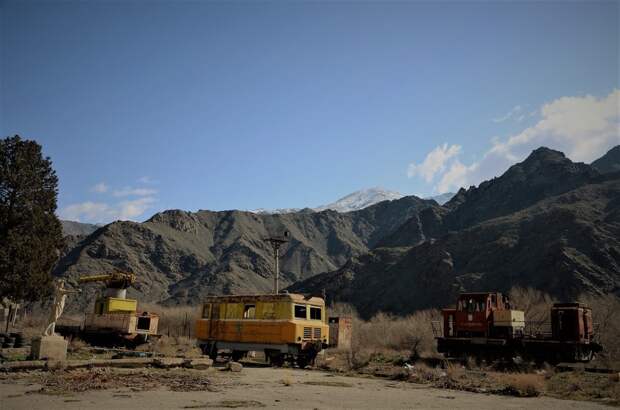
<point>547,222</point>
<point>181,256</point>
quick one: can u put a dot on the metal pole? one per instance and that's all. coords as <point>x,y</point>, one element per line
<point>276,253</point>
<point>275,243</point>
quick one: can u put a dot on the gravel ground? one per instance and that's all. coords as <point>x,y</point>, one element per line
<point>254,387</point>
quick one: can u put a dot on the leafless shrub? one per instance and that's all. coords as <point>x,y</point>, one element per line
<point>605,310</point>
<point>535,304</point>
<point>411,335</point>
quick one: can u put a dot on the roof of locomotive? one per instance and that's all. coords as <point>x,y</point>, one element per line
<point>570,305</point>
<point>292,297</point>
<point>477,294</point>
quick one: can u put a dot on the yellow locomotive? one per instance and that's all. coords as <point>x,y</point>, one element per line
<point>287,327</point>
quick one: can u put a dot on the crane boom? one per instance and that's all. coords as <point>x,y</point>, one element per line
<point>117,280</point>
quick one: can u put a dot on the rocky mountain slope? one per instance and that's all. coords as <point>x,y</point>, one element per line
<point>609,162</point>
<point>547,222</point>
<point>72,228</point>
<point>442,198</point>
<point>180,256</point>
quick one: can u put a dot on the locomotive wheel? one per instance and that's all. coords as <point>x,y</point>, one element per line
<point>275,358</point>
<point>237,355</point>
<point>302,361</point>
<point>210,350</point>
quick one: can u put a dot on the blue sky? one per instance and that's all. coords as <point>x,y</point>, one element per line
<point>145,106</point>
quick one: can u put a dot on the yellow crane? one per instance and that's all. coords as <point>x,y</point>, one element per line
<point>114,299</point>
<point>116,315</point>
<point>120,280</point>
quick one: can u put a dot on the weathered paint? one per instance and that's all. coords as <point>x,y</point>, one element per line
<point>271,321</point>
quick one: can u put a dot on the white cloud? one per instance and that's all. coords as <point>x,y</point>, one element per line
<point>99,212</point>
<point>86,211</point>
<point>99,188</point>
<point>129,191</point>
<point>584,128</point>
<point>134,208</point>
<point>513,113</point>
<point>456,177</point>
<point>146,180</point>
<point>581,127</point>
<point>434,163</point>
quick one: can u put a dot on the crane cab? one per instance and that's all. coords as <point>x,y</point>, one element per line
<point>115,315</point>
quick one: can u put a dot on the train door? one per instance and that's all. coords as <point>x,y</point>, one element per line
<point>213,320</point>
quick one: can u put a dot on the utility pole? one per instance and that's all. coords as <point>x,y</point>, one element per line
<point>276,242</point>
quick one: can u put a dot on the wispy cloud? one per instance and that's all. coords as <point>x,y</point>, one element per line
<point>99,188</point>
<point>515,113</point>
<point>129,191</point>
<point>100,212</point>
<point>582,127</point>
<point>127,203</point>
<point>146,180</point>
<point>434,163</point>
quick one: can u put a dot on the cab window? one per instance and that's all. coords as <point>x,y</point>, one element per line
<point>206,311</point>
<point>249,311</point>
<point>315,313</point>
<point>300,312</point>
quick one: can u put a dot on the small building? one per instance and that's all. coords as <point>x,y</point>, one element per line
<point>340,332</point>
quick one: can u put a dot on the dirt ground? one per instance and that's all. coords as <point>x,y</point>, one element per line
<point>254,387</point>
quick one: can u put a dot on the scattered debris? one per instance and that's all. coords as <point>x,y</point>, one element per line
<point>80,380</point>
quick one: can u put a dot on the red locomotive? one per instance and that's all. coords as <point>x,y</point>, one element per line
<point>485,325</point>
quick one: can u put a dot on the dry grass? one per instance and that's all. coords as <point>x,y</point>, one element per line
<point>174,320</point>
<point>584,386</point>
<point>523,384</point>
<point>173,346</point>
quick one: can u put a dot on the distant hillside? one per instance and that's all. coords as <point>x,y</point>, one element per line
<point>77,228</point>
<point>547,222</point>
<point>442,198</point>
<point>180,256</point>
<point>609,162</point>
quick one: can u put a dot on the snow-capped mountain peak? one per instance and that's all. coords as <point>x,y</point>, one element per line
<point>353,202</point>
<point>361,199</point>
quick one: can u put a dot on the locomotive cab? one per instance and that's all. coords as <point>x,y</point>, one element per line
<point>482,314</point>
<point>572,322</point>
